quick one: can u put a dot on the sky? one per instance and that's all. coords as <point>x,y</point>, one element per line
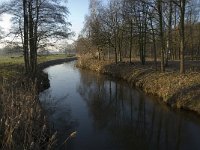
<point>77,8</point>
<point>5,22</point>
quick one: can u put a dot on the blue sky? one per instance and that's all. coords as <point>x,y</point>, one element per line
<point>78,9</point>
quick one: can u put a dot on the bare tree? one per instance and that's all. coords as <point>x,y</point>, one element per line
<point>160,11</point>
<point>182,6</point>
<point>43,20</point>
<point>141,28</point>
<point>182,34</point>
<point>25,40</point>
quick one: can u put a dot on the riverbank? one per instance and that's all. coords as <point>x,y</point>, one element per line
<point>23,123</point>
<point>43,80</point>
<point>176,90</point>
<point>49,63</point>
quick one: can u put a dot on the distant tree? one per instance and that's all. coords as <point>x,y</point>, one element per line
<point>95,29</point>
<point>84,46</point>
<point>153,34</point>
<point>161,29</point>
<point>181,4</point>
<point>129,16</point>
<point>12,49</point>
<point>113,22</point>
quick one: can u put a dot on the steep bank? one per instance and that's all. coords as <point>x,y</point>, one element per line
<point>176,90</point>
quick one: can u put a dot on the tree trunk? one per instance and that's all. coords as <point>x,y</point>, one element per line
<point>169,38</point>
<point>131,41</point>
<point>115,47</point>
<point>99,53</point>
<point>141,38</point>
<point>36,37</point>
<point>182,36</point>
<point>109,52</point>
<point>25,43</point>
<point>31,36</point>
<point>145,35</point>
<point>115,55</point>
<point>154,44</point>
<point>120,45</point>
<point>159,5</point>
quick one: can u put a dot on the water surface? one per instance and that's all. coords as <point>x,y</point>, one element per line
<point>109,115</point>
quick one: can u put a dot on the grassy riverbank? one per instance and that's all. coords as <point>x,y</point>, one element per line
<point>177,90</point>
<point>13,66</point>
<point>23,123</point>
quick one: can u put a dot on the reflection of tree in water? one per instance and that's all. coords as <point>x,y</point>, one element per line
<point>133,121</point>
<point>94,95</point>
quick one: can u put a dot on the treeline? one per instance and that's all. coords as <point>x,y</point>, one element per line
<point>11,50</point>
<point>163,30</point>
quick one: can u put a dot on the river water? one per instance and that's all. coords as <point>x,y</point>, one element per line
<point>110,115</point>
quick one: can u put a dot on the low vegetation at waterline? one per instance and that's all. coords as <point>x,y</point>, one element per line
<point>177,90</point>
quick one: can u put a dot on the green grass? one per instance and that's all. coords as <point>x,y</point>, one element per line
<point>51,57</point>
<point>12,66</point>
<point>19,59</point>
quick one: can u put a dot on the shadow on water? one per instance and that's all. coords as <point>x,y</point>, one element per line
<point>108,114</point>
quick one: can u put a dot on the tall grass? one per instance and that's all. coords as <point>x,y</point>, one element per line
<point>23,125</point>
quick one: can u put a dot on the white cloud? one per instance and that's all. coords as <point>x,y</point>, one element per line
<point>5,22</point>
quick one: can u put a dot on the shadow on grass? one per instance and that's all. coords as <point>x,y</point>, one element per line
<point>186,98</point>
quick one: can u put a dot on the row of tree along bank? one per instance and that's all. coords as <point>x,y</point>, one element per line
<point>177,90</point>
<point>164,30</point>
<point>158,40</point>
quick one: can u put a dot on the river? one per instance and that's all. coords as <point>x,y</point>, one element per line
<point>110,115</point>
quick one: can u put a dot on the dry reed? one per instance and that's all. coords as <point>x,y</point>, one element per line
<point>23,125</point>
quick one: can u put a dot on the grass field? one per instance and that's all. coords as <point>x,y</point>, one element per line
<point>12,66</point>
